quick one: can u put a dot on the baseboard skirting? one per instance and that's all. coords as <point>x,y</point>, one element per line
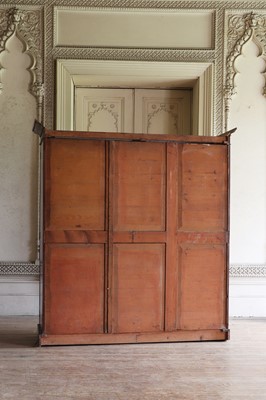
<point>26,268</point>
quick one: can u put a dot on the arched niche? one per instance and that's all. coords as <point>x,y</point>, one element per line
<point>239,30</point>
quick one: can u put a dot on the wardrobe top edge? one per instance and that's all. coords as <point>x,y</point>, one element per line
<point>129,137</point>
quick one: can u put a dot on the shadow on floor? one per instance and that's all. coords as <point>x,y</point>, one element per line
<point>18,331</point>
<point>12,340</point>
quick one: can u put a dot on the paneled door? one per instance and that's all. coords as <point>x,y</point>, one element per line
<point>156,111</point>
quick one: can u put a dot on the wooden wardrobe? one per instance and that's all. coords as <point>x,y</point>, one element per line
<point>135,238</point>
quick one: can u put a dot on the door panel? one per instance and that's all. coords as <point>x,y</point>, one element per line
<point>104,110</point>
<point>163,111</point>
<point>74,298</point>
<point>138,288</point>
<point>139,186</point>
<point>202,304</point>
<point>138,215</point>
<point>75,188</point>
<point>204,188</point>
<point>75,213</point>
<point>133,110</point>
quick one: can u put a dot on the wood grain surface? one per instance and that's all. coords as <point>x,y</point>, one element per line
<point>232,370</point>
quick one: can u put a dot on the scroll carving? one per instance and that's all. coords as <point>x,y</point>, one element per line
<point>242,28</point>
<point>98,108</point>
<point>26,25</point>
<point>165,108</point>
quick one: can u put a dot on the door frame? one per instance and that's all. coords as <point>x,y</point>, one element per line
<point>72,73</point>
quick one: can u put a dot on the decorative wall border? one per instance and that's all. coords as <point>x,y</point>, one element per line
<point>235,271</point>
<point>19,268</point>
<point>247,271</point>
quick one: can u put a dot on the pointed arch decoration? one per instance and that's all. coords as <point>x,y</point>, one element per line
<point>241,29</point>
<point>26,25</point>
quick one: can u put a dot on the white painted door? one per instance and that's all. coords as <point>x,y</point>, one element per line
<point>162,111</point>
<point>104,110</point>
<point>133,110</point>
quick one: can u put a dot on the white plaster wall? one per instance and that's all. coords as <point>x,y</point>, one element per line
<point>247,297</point>
<point>248,183</point>
<point>19,295</point>
<point>18,158</point>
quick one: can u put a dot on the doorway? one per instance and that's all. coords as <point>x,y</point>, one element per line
<point>156,111</point>
<point>72,74</point>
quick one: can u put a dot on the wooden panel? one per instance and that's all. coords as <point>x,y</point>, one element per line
<point>138,288</point>
<point>203,298</point>
<point>74,300</point>
<point>139,237</point>
<point>137,242</point>
<point>75,185</point>
<point>75,236</point>
<point>139,186</point>
<point>139,337</point>
<point>126,137</point>
<point>204,188</point>
<point>172,289</point>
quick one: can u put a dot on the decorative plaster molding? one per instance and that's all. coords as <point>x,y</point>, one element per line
<point>215,56</point>
<point>27,26</point>
<point>177,35</point>
<point>246,271</point>
<point>110,108</point>
<point>87,72</point>
<point>166,108</point>
<point>240,29</point>
<point>19,268</point>
<point>235,271</point>
<point>135,54</point>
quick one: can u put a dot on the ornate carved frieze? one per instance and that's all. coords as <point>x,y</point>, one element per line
<point>27,26</point>
<point>248,271</point>
<point>240,29</point>
<point>19,268</point>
